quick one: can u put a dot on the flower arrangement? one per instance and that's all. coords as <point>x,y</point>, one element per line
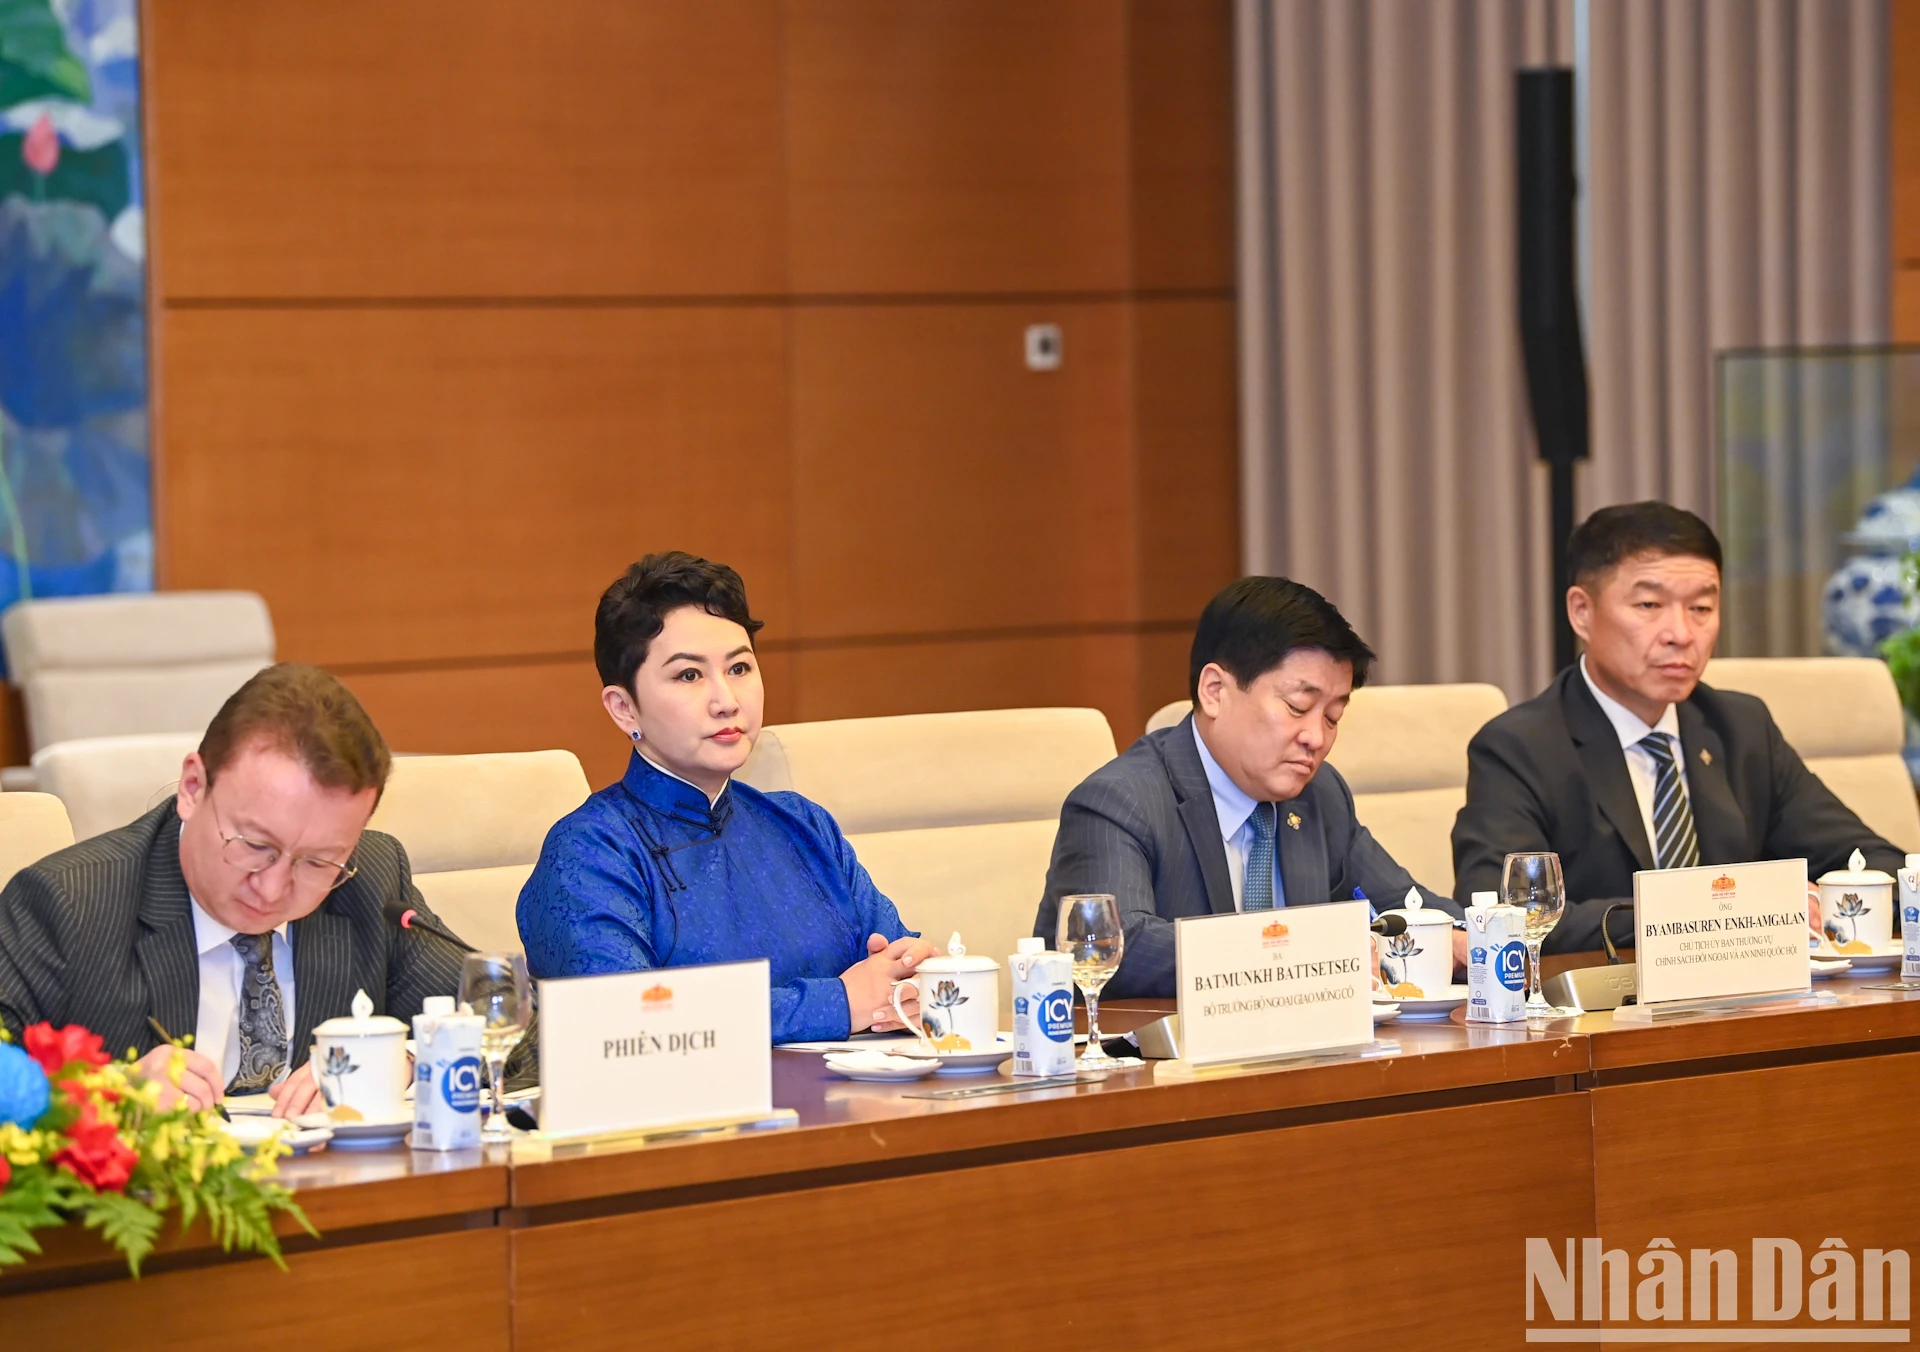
<point>83,1137</point>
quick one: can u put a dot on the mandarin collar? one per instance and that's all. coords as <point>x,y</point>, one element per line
<point>671,795</point>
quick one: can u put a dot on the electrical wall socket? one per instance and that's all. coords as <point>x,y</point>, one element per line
<point>1043,347</point>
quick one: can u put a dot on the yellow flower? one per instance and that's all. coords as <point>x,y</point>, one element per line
<point>197,1158</point>
<point>20,1146</point>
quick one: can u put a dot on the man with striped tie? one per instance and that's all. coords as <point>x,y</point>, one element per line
<point>1627,761</point>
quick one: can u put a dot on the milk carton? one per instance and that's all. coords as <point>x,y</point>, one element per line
<point>1496,960</point>
<point>446,1083</point>
<point>1042,1010</point>
<point>1910,919</point>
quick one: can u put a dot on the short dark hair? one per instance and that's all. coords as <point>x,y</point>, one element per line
<point>634,609</point>
<point>1254,624</point>
<point>1628,530</point>
<point>308,714</point>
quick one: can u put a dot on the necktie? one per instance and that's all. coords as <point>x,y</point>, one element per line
<point>1256,892</point>
<point>263,1019</point>
<point>1674,843</point>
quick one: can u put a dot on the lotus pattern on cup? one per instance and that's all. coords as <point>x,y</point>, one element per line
<point>1395,967</point>
<point>1842,925</point>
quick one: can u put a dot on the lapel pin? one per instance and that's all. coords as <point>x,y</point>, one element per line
<point>1706,756</point>
<point>1293,820</point>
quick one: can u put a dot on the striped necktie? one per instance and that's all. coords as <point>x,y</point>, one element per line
<point>263,1018</point>
<point>1256,891</point>
<point>1674,843</point>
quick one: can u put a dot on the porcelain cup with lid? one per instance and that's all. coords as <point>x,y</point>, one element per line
<point>1417,964</point>
<point>360,1062</point>
<point>959,999</point>
<point>1856,908</point>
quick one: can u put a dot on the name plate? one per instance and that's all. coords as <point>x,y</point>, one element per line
<point>1724,932</point>
<point>658,1048</point>
<point>1273,983</point>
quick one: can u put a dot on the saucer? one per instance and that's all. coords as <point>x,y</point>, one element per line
<point>1434,1007</point>
<point>374,1132</point>
<point>879,1067</point>
<point>1885,958</point>
<point>254,1132</point>
<point>973,1063</point>
<point>1385,1013</point>
<point>1825,967</point>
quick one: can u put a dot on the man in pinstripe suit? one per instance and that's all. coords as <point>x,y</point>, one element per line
<point>244,911</point>
<point>1232,810</point>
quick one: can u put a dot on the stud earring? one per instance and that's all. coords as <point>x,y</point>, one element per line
<point>636,734</point>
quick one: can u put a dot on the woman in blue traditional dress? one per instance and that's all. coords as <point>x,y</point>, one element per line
<point>676,864</point>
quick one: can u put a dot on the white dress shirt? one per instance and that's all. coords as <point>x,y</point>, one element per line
<point>1234,807</point>
<point>216,1034</point>
<point>1630,728</point>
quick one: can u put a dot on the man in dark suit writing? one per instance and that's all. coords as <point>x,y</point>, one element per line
<point>1231,810</point>
<point>244,911</point>
<point>1627,761</point>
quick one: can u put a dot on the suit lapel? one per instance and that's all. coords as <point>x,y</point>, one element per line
<point>165,952</point>
<point>322,974</point>
<point>1197,814</point>
<point>1605,765</point>
<point>1303,855</point>
<point>1718,820</point>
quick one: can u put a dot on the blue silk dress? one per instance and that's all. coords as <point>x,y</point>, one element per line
<point>646,874</point>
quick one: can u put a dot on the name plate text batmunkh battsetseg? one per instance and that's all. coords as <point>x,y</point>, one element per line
<point>1273,983</point>
<point>1723,932</point>
<point>651,1049</point>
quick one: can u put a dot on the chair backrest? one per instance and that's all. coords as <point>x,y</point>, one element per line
<point>473,827</point>
<point>953,814</point>
<point>32,826</point>
<point>1842,714</point>
<point>1403,751</point>
<point>100,666</point>
<point>106,782</point>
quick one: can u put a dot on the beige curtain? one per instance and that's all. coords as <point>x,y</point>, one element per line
<point>1739,201</point>
<point>1387,458</point>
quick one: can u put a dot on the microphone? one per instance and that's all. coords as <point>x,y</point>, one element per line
<point>1389,925</point>
<point>409,918</point>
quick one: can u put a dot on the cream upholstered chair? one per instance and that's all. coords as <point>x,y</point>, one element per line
<point>102,666</point>
<point>1403,751</point>
<point>473,827</point>
<point>32,826</point>
<point>106,782</point>
<point>953,814</point>
<point>1842,714</point>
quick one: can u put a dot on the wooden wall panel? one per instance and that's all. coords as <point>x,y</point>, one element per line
<point>1181,96</point>
<point>939,484</point>
<point>465,147</point>
<point>957,148</point>
<point>1097,671</point>
<point>460,307</point>
<point>1186,425</point>
<point>525,706</point>
<point>405,485</point>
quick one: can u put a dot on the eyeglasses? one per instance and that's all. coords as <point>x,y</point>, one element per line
<point>310,872</point>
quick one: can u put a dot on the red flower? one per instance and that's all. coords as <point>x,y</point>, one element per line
<point>97,1155</point>
<point>54,1048</point>
<point>6,1172</point>
<point>40,147</point>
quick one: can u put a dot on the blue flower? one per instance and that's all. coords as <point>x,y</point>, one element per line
<point>23,1087</point>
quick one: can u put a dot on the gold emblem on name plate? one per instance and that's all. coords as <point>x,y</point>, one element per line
<point>1706,756</point>
<point>1293,820</point>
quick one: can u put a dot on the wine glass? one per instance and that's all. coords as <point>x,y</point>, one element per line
<point>495,986</point>
<point>1533,883</point>
<point>1090,934</point>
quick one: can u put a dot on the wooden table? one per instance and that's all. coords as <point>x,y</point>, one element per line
<point>1361,1203</point>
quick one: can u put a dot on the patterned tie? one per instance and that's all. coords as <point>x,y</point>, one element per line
<point>1256,892</point>
<point>263,1020</point>
<point>1674,843</point>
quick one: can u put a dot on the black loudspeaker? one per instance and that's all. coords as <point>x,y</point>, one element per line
<point>1550,337</point>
